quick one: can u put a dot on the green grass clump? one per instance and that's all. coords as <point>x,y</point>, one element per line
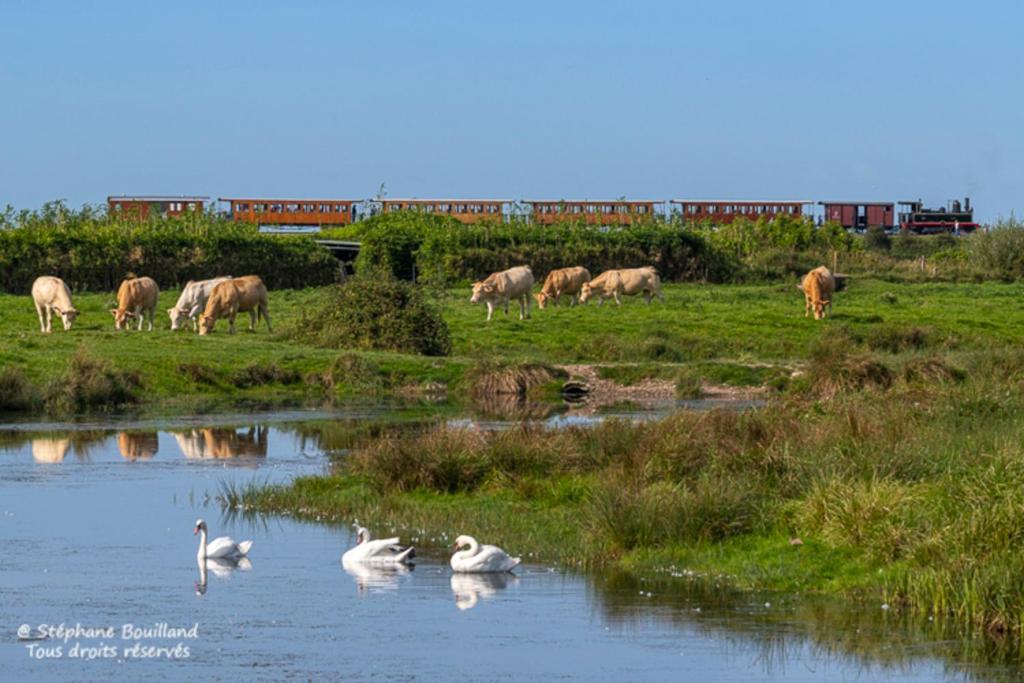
<point>91,384</point>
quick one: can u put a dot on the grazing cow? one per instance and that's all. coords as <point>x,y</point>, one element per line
<point>51,294</point>
<point>562,281</point>
<point>818,287</point>
<point>500,288</point>
<point>238,295</point>
<point>629,281</point>
<point>192,302</point>
<point>136,298</point>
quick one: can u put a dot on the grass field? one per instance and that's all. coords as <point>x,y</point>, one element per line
<point>724,332</point>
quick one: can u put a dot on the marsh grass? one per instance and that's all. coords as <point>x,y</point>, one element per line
<point>92,384</point>
<point>914,493</point>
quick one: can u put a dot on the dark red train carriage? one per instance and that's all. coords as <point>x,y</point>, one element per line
<point>860,215</point>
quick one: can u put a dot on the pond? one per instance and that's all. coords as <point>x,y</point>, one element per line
<point>96,529</point>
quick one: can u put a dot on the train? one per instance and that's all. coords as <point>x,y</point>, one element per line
<point>956,217</point>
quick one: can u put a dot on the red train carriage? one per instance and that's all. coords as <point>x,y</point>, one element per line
<point>723,211</point>
<point>463,210</point>
<point>304,212</point>
<point>619,212</point>
<point>860,215</point>
<point>141,207</point>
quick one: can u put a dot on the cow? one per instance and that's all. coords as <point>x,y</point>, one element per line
<point>192,302</point>
<point>51,294</point>
<point>629,281</point>
<point>50,450</point>
<point>562,281</point>
<point>500,288</point>
<point>136,298</point>
<point>818,287</point>
<point>237,295</point>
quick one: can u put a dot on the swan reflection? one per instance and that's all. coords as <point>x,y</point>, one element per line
<point>370,577</point>
<point>220,567</point>
<point>470,588</point>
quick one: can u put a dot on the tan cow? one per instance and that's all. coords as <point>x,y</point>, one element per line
<point>51,294</point>
<point>627,281</point>
<point>501,288</point>
<point>237,295</point>
<point>818,287</point>
<point>562,281</point>
<point>50,450</point>
<point>136,298</point>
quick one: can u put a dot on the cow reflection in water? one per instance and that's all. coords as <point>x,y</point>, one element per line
<point>470,588</point>
<point>135,445</point>
<point>221,567</point>
<point>223,442</point>
<point>50,450</point>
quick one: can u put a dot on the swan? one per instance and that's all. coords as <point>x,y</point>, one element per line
<point>481,558</point>
<point>383,551</point>
<point>223,547</point>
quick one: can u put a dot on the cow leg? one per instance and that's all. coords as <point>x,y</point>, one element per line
<point>506,306</point>
<point>490,310</point>
<point>615,295</point>
<point>807,307</point>
<point>266,316</point>
<point>573,300</point>
<point>524,306</point>
<point>152,314</point>
<point>648,296</point>
<point>252,320</point>
<point>231,322</point>
<point>41,312</point>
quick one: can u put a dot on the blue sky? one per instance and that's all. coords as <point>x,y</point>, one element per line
<point>775,100</point>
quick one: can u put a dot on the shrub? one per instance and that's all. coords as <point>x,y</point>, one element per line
<point>877,239</point>
<point>92,384</point>
<point>377,311</point>
<point>999,251</point>
<point>260,374</point>
<point>16,393</point>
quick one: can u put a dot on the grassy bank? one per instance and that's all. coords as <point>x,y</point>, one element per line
<point>742,335</point>
<point>911,493</point>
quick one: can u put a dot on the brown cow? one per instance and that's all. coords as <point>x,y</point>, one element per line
<point>238,295</point>
<point>136,298</point>
<point>818,287</point>
<point>562,281</point>
<point>629,281</point>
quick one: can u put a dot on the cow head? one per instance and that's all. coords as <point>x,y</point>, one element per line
<point>67,316</point>
<point>121,318</point>
<point>206,323</point>
<point>819,308</point>
<point>542,299</point>
<point>481,290</point>
<point>177,316</point>
<point>586,292</point>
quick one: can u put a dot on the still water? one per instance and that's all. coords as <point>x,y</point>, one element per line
<point>96,532</point>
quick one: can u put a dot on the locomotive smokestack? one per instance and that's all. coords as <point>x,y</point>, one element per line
<point>967,203</point>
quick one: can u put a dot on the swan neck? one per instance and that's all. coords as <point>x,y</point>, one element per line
<point>202,543</point>
<point>474,547</point>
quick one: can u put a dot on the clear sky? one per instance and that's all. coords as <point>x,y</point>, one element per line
<point>724,99</point>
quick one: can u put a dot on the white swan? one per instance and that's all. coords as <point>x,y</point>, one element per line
<point>383,551</point>
<point>223,547</point>
<point>481,558</point>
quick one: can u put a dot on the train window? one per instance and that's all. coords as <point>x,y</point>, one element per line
<point>492,208</point>
<point>641,209</point>
<point>621,208</point>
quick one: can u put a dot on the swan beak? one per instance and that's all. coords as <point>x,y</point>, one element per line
<point>195,531</point>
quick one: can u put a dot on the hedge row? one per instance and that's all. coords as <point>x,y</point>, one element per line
<point>92,253</point>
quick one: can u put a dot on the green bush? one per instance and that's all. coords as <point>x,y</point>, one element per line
<point>92,384</point>
<point>999,251</point>
<point>877,239</point>
<point>377,311</point>
<point>93,252</point>
<point>16,393</point>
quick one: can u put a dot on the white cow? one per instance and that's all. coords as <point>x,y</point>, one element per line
<point>500,288</point>
<point>614,284</point>
<point>192,302</point>
<point>51,294</point>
